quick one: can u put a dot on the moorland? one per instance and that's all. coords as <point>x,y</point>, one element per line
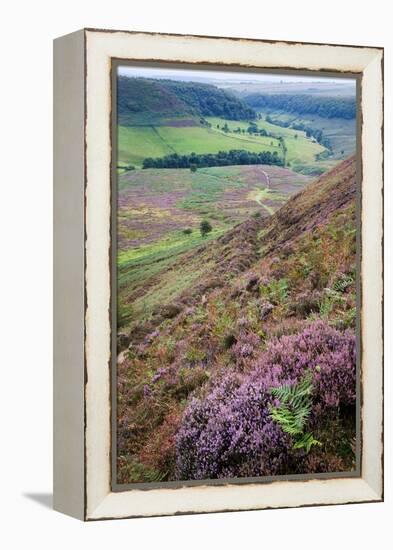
<point>236,281</point>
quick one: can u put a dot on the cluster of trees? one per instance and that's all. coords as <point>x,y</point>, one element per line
<point>326,107</point>
<point>312,132</point>
<point>222,158</point>
<point>252,129</point>
<point>205,227</point>
<point>315,133</point>
<point>284,149</point>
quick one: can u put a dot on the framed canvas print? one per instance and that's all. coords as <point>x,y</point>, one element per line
<point>218,274</point>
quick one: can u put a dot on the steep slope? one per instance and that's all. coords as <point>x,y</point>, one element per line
<point>331,193</point>
<point>265,279</point>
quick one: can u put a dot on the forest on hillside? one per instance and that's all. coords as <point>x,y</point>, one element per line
<point>138,96</point>
<point>325,107</point>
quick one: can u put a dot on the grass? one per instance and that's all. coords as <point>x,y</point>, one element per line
<point>341,132</point>
<point>136,143</point>
<point>299,149</point>
<point>171,245</point>
<point>138,266</point>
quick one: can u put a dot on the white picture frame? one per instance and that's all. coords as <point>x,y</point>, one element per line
<point>82,251</point>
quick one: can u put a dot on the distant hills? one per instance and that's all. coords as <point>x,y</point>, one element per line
<point>144,102</point>
<point>158,118</point>
<point>325,107</point>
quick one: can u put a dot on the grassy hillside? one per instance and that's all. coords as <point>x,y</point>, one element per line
<point>157,206</point>
<point>137,143</point>
<point>146,102</point>
<point>300,149</point>
<point>340,132</point>
<point>271,301</point>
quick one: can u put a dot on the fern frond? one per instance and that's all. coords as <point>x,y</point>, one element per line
<point>294,410</point>
<point>306,441</point>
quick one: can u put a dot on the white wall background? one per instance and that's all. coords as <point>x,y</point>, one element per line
<point>26,257</point>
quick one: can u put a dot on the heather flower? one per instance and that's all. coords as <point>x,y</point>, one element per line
<point>329,353</point>
<point>146,391</point>
<point>230,432</point>
<point>159,374</point>
<point>246,345</point>
<point>243,322</point>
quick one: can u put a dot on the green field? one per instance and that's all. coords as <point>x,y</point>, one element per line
<point>136,142</point>
<point>340,132</point>
<point>300,149</point>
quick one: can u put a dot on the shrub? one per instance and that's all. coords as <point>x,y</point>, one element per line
<point>276,291</point>
<point>187,231</point>
<point>306,303</point>
<point>229,340</point>
<point>245,347</point>
<point>230,432</point>
<point>318,345</point>
<point>205,227</point>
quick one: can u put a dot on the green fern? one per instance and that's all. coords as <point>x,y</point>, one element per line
<point>294,410</point>
<point>306,441</point>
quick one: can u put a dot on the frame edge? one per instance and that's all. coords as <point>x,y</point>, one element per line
<point>69,265</point>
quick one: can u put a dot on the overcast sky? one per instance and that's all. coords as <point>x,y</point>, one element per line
<point>182,74</point>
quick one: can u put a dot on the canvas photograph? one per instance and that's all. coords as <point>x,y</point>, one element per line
<point>236,300</point>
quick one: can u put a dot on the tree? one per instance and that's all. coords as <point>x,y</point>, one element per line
<point>193,167</point>
<point>205,228</point>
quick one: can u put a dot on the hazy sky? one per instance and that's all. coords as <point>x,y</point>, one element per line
<point>182,74</point>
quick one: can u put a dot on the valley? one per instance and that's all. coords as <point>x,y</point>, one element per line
<point>159,212</point>
<point>236,278</point>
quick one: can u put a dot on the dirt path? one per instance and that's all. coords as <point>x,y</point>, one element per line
<point>258,199</point>
<point>267,178</point>
<point>262,192</point>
